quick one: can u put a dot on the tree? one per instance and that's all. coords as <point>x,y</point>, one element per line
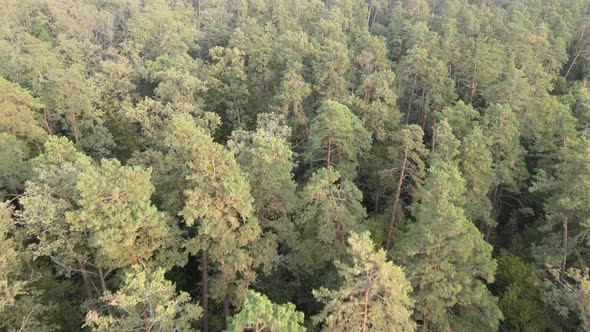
<point>219,204</point>
<point>448,263</point>
<point>520,296</point>
<point>423,84</point>
<point>267,160</point>
<point>409,167</point>
<point>293,91</point>
<point>146,301</point>
<point>50,194</point>
<point>445,146</point>
<point>566,207</point>
<point>374,295</point>
<point>15,169</point>
<point>337,139</point>
<point>476,168</point>
<point>260,314</point>
<point>375,100</point>
<point>462,118</point>
<point>20,304</point>
<point>119,220</point>
<point>19,114</point>
<point>331,210</point>
<point>501,127</point>
<point>227,91</point>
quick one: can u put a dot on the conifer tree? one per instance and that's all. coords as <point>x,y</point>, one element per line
<point>337,139</point>
<point>374,295</point>
<point>445,146</point>
<point>566,208</point>
<point>219,205</point>
<point>501,126</point>
<point>227,91</point>
<point>146,301</point>
<point>476,168</point>
<point>49,196</point>
<point>447,261</point>
<point>409,168</point>
<point>20,114</point>
<point>21,308</point>
<point>267,160</point>
<point>293,90</point>
<point>260,314</point>
<point>331,210</point>
<point>118,219</point>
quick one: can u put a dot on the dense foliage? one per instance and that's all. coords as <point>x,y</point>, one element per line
<point>291,165</point>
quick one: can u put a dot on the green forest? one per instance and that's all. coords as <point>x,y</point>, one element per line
<point>294,165</point>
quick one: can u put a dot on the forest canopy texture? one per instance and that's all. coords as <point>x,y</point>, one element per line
<point>294,165</point>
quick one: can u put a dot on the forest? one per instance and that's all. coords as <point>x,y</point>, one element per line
<point>294,165</point>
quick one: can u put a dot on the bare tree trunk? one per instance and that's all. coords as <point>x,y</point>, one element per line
<point>402,174</point>
<point>103,284</point>
<point>225,309</point>
<point>564,224</point>
<point>329,163</point>
<point>46,121</point>
<point>433,145</point>
<point>411,100</point>
<point>86,279</point>
<point>366,309</point>
<point>205,292</point>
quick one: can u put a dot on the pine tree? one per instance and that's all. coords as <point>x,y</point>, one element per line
<point>331,210</point>
<point>15,167</point>
<point>146,301</point>
<point>447,260</point>
<point>219,205</point>
<point>48,197</point>
<point>566,208</point>
<point>409,168</point>
<point>227,91</point>
<point>293,91</point>
<point>119,220</point>
<point>19,114</point>
<point>337,139</point>
<point>267,160</point>
<point>374,295</point>
<point>260,314</point>
<point>21,308</point>
<point>501,127</point>
<point>461,117</point>
<point>476,168</point>
<point>445,146</point>
<point>375,100</point>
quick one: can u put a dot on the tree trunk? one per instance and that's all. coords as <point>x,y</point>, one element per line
<point>366,309</point>
<point>329,163</point>
<point>564,223</point>
<point>103,284</point>
<point>86,279</point>
<point>425,322</point>
<point>433,145</point>
<point>225,309</point>
<point>204,292</point>
<point>409,110</point>
<point>46,121</point>
<point>495,202</point>
<point>402,174</point>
